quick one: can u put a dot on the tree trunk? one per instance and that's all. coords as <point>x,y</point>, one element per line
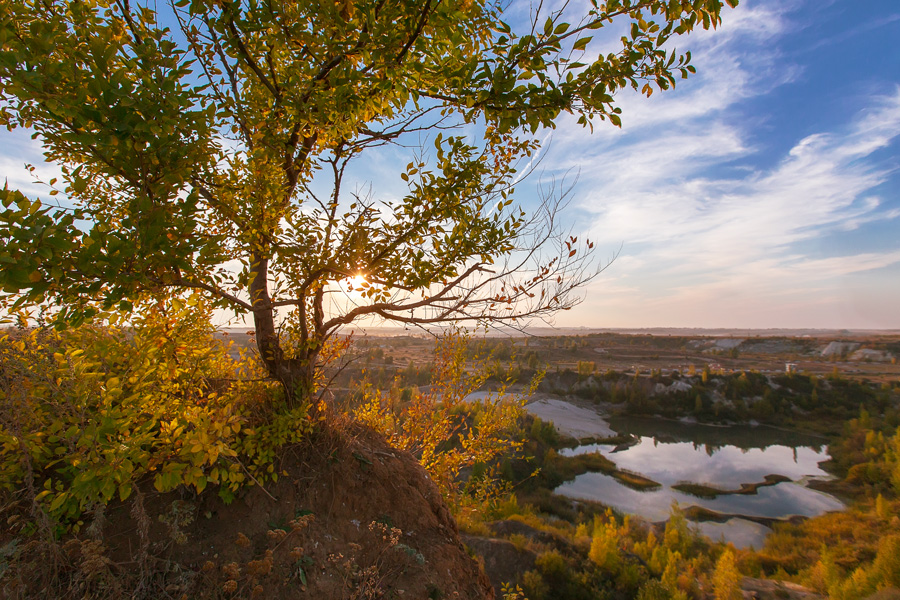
<point>296,375</point>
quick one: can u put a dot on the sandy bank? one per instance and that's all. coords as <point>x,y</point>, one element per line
<point>570,419</point>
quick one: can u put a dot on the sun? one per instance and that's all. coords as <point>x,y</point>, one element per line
<point>357,282</point>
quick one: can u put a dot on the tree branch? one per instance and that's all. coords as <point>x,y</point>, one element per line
<point>245,53</point>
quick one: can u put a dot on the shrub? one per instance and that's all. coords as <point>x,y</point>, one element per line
<point>88,412</point>
<point>552,566</point>
<point>653,590</point>
<point>446,432</point>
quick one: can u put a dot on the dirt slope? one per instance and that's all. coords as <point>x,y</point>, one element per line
<point>352,518</point>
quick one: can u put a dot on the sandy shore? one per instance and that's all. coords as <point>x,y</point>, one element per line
<point>570,419</point>
<point>576,421</point>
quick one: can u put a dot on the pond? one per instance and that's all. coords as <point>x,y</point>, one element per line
<point>723,458</point>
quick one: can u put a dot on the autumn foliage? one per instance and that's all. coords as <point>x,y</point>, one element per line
<point>444,429</point>
<point>88,412</point>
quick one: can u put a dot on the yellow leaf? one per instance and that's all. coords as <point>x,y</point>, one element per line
<point>57,502</point>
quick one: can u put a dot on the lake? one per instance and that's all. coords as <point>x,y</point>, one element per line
<point>673,452</point>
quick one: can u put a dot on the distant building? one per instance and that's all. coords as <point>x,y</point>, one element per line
<point>790,368</point>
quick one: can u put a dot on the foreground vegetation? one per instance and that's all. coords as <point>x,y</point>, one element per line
<point>88,412</point>
<point>121,445</point>
<point>95,417</point>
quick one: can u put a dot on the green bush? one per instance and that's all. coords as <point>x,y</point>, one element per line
<point>88,412</point>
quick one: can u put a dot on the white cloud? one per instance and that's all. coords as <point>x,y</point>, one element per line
<point>18,150</point>
<point>727,73</point>
<point>717,234</point>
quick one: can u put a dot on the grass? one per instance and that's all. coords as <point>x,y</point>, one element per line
<point>635,481</point>
<point>709,492</point>
<point>568,441</point>
<point>558,469</point>
<point>547,503</point>
<point>698,490</point>
<point>702,515</point>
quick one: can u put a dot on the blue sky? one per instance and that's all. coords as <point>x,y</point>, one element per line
<point>762,192</point>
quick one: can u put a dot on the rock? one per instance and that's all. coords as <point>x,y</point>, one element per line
<point>512,527</point>
<point>770,589</point>
<point>680,386</point>
<point>503,562</point>
<point>839,348</point>
<point>871,355</point>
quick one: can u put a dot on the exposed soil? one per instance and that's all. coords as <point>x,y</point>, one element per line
<point>569,418</point>
<point>350,517</point>
<point>768,589</point>
<point>503,562</point>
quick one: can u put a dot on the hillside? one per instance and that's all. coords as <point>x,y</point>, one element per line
<point>350,517</point>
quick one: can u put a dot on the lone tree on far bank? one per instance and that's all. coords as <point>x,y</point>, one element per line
<point>204,148</point>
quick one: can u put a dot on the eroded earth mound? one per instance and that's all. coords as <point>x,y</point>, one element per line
<point>349,517</point>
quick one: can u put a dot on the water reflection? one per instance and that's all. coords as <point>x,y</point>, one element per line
<point>740,532</point>
<point>715,437</point>
<point>678,452</point>
<point>725,467</point>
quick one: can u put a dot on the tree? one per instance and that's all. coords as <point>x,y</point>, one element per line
<point>727,578</point>
<point>204,147</point>
<point>604,551</point>
<point>893,460</point>
<point>887,561</point>
<point>586,367</point>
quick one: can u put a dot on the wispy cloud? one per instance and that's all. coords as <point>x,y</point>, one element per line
<point>684,185</point>
<point>668,197</point>
<point>727,73</point>
<point>18,150</point>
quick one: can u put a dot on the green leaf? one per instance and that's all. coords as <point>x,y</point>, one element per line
<point>108,489</point>
<point>141,130</point>
<point>58,501</point>
<point>125,490</point>
<point>582,43</point>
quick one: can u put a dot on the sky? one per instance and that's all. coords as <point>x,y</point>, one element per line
<point>763,192</point>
